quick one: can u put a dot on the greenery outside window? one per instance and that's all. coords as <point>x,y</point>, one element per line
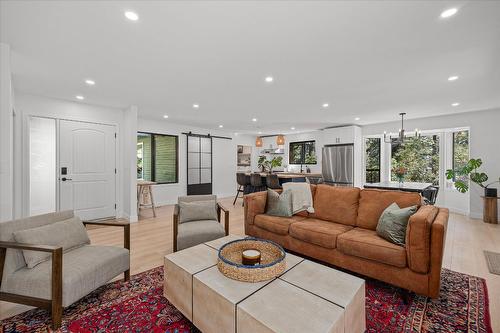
<point>460,153</point>
<point>372,160</point>
<point>303,152</point>
<point>419,157</point>
<point>157,157</point>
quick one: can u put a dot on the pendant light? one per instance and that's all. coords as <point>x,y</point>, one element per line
<point>258,142</point>
<point>280,140</point>
<point>401,135</point>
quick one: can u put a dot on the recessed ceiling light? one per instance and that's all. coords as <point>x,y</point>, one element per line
<point>269,79</point>
<point>196,106</point>
<point>292,128</point>
<point>357,118</point>
<point>453,78</point>
<point>90,82</point>
<point>455,104</point>
<point>220,126</point>
<point>449,12</point>
<point>80,97</point>
<point>254,119</point>
<point>325,105</point>
<point>165,116</point>
<point>131,16</point>
<point>260,132</point>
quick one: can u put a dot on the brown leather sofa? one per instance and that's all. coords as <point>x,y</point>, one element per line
<point>342,232</point>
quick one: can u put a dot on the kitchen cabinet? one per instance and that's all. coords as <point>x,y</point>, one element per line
<point>341,135</point>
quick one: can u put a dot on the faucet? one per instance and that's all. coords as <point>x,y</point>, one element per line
<point>301,170</point>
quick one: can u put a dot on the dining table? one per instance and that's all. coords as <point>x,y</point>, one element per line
<point>397,186</point>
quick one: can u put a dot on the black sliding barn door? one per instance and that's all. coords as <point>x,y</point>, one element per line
<point>199,164</point>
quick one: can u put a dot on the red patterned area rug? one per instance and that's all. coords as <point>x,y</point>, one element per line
<point>138,306</point>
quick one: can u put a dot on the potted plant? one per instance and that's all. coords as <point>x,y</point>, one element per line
<point>400,173</point>
<point>275,162</point>
<point>470,171</point>
<point>262,163</point>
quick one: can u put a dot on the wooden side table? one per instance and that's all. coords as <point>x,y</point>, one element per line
<point>143,192</point>
<point>490,210</point>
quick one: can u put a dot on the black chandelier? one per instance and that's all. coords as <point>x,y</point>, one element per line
<point>401,135</point>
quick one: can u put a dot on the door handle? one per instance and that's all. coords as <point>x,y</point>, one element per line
<point>65,179</point>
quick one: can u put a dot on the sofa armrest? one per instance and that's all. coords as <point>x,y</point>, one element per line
<point>124,224</point>
<point>438,239</point>
<point>56,256</point>
<point>220,208</point>
<point>418,238</point>
<point>254,204</point>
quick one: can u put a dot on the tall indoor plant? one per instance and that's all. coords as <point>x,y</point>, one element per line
<point>470,171</point>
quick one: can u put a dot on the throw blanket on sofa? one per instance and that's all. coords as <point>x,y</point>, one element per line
<point>301,197</point>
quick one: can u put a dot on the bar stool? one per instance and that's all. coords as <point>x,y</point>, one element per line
<point>241,179</point>
<point>145,194</point>
<point>256,182</point>
<point>272,181</point>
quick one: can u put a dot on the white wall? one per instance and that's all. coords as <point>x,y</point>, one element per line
<point>130,163</point>
<point>484,142</point>
<point>6,136</point>
<point>30,105</point>
<point>224,160</point>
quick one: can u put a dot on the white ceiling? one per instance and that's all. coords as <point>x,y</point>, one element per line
<point>367,59</point>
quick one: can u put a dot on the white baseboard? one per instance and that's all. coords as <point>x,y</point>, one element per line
<point>133,218</point>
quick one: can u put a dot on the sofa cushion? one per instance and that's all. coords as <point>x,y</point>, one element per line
<point>197,210</point>
<point>279,204</point>
<point>392,223</point>
<point>318,232</point>
<point>69,234</point>
<point>14,259</point>
<point>278,225</point>
<point>373,202</point>
<point>336,204</point>
<point>197,232</point>
<point>84,269</point>
<point>367,244</point>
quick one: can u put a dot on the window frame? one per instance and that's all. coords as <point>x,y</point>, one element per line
<point>153,156</point>
<point>302,152</point>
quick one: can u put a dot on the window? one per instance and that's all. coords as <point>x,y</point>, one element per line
<point>460,151</point>
<point>303,152</point>
<point>157,157</point>
<point>372,160</point>
<point>420,158</point>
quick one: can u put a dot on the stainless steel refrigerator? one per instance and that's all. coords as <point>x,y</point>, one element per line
<point>338,165</point>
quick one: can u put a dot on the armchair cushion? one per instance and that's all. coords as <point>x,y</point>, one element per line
<point>197,232</point>
<point>197,210</point>
<point>69,234</point>
<point>84,269</point>
<point>14,259</point>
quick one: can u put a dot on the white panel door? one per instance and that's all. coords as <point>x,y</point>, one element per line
<point>87,185</point>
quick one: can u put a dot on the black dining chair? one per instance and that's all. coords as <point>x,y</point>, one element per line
<point>256,182</point>
<point>241,180</point>
<point>314,180</point>
<point>430,194</point>
<point>273,182</point>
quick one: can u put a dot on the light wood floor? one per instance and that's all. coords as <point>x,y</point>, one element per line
<point>151,240</point>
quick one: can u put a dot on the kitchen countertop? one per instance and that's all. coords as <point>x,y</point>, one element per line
<point>290,174</point>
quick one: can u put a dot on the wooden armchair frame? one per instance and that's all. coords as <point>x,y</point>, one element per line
<point>220,208</point>
<point>55,303</point>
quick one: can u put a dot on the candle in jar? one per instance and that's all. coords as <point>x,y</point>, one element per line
<point>250,257</point>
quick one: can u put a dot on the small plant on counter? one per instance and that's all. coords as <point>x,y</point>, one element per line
<point>470,171</point>
<point>267,165</point>
<point>400,173</point>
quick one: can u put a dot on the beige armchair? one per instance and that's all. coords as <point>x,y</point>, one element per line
<point>203,229</point>
<point>67,274</point>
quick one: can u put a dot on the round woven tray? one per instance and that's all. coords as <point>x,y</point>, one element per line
<point>272,260</point>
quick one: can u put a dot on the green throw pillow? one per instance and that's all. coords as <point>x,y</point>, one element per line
<point>279,205</point>
<point>393,222</point>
